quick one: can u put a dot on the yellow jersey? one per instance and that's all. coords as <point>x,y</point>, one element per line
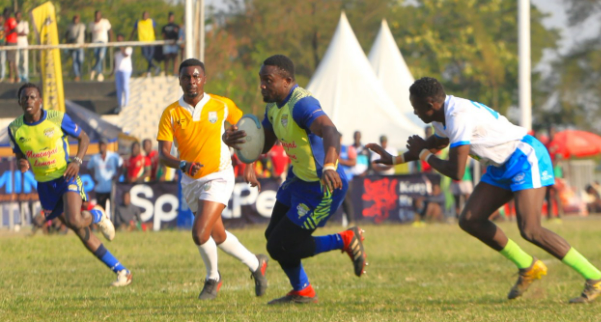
<point>196,131</point>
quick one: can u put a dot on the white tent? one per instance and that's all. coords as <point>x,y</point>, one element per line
<point>390,67</point>
<point>352,96</point>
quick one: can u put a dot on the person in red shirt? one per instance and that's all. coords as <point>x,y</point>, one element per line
<point>137,167</point>
<point>10,32</point>
<point>153,158</point>
<point>279,161</point>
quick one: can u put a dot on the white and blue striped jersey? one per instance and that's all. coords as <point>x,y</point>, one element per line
<point>492,138</point>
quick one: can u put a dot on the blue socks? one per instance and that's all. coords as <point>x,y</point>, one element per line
<point>327,243</point>
<point>108,259</point>
<point>96,216</point>
<point>297,276</point>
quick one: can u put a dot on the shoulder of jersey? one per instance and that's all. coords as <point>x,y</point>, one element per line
<point>172,105</point>
<point>222,99</point>
<point>298,94</point>
<point>55,116</point>
<point>16,123</point>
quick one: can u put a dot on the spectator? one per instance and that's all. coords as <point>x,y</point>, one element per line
<point>106,165</point>
<point>431,207</point>
<point>279,161</point>
<point>137,167</point>
<point>593,199</point>
<point>76,34</point>
<point>462,189</point>
<point>123,67</point>
<point>363,156</point>
<point>182,38</point>
<point>2,52</point>
<point>127,216</point>
<point>145,28</point>
<point>23,53</point>
<point>100,33</point>
<point>347,160</point>
<point>153,159</point>
<point>10,32</point>
<point>170,51</point>
<point>382,169</point>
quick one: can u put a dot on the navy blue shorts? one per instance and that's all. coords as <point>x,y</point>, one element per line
<point>311,205</point>
<point>51,194</point>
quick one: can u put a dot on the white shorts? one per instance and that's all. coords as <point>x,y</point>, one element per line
<point>462,188</point>
<point>217,187</point>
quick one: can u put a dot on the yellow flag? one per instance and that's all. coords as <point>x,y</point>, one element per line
<point>44,24</point>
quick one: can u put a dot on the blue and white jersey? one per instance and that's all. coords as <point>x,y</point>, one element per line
<point>492,138</point>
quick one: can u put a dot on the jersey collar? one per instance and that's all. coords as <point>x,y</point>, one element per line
<point>195,111</point>
<point>44,113</point>
<point>287,97</point>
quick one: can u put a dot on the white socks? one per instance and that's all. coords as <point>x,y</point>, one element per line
<point>233,247</point>
<point>208,252</point>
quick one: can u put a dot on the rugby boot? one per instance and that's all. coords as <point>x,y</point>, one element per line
<point>526,276</point>
<point>304,296</point>
<point>209,291</point>
<point>259,275</point>
<point>353,246</point>
<point>592,289</point>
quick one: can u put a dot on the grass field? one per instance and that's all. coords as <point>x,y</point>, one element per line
<point>433,273</point>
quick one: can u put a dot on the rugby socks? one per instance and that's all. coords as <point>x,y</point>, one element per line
<point>234,248</point>
<point>328,243</point>
<point>297,276</point>
<point>581,265</point>
<point>96,216</point>
<point>108,259</point>
<point>208,252</point>
<point>514,253</point>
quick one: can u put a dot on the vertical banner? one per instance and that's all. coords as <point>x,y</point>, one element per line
<point>44,23</point>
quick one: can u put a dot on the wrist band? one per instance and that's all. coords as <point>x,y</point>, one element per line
<point>333,165</point>
<point>78,160</point>
<point>328,166</point>
<point>425,155</point>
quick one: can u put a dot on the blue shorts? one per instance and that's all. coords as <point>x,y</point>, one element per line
<point>529,167</point>
<point>170,49</point>
<point>51,194</point>
<point>311,205</point>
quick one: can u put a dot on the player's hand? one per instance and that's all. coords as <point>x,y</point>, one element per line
<point>232,137</point>
<point>72,171</point>
<point>250,176</point>
<point>331,180</point>
<point>23,165</point>
<point>192,168</point>
<point>385,157</point>
<point>415,145</point>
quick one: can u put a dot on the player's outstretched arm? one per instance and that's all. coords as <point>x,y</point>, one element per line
<point>433,144</point>
<point>454,167</point>
<point>82,147</point>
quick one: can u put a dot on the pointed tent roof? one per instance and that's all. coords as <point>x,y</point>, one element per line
<point>390,67</point>
<point>351,94</point>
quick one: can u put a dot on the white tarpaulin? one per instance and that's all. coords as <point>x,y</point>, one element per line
<point>390,67</point>
<point>353,97</point>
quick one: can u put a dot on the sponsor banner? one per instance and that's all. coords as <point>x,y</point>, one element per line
<point>157,200</point>
<point>43,19</point>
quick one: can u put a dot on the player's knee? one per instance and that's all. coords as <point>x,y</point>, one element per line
<point>274,248</point>
<point>200,237</point>
<point>465,223</point>
<point>74,222</point>
<point>531,234</point>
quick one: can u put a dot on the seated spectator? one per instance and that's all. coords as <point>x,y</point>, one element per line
<point>431,207</point>
<point>127,216</point>
<point>137,166</point>
<point>593,200</point>
<point>363,156</point>
<point>156,169</point>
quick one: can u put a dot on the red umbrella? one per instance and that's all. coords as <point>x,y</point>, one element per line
<point>573,143</point>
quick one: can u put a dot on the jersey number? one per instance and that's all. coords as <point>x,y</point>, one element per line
<point>493,112</point>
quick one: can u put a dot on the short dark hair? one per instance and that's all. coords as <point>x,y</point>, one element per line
<point>428,87</point>
<point>171,14</point>
<point>120,35</point>
<point>192,62</point>
<point>28,85</point>
<point>283,63</point>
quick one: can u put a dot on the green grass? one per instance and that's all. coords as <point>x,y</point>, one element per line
<point>434,273</point>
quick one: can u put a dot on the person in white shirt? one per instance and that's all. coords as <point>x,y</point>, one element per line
<point>22,54</point>
<point>520,169</point>
<point>122,69</point>
<point>100,32</point>
<point>379,168</point>
<point>106,166</point>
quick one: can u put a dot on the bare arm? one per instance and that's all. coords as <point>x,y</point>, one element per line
<point>83,140</point>
<point>324,128</point>
<point>454,167</point>
<point>270,139</point>
<point>167,159</point>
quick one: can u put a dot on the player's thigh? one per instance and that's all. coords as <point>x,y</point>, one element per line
<point>485,199</point>
<point>528,206</point>
<point>206,216</point>
<point>277,213</point>
<point>218,232</point>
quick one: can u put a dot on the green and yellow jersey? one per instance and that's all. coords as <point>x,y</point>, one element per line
<point>44,143</point>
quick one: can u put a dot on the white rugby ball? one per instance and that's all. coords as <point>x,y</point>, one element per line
<point>251,149</point>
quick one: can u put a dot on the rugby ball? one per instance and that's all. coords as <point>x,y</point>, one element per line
<point>251,149</point>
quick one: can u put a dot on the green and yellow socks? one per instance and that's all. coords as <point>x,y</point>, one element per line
<point>581,265</point>
<point>518,256</point>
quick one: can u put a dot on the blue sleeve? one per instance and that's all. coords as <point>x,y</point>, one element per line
<point>306,110</point>
<point>136,24</point>
<point>266,123</point>
<point>69,127</point>
<point>154,24</point>
<point>13,143</point>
